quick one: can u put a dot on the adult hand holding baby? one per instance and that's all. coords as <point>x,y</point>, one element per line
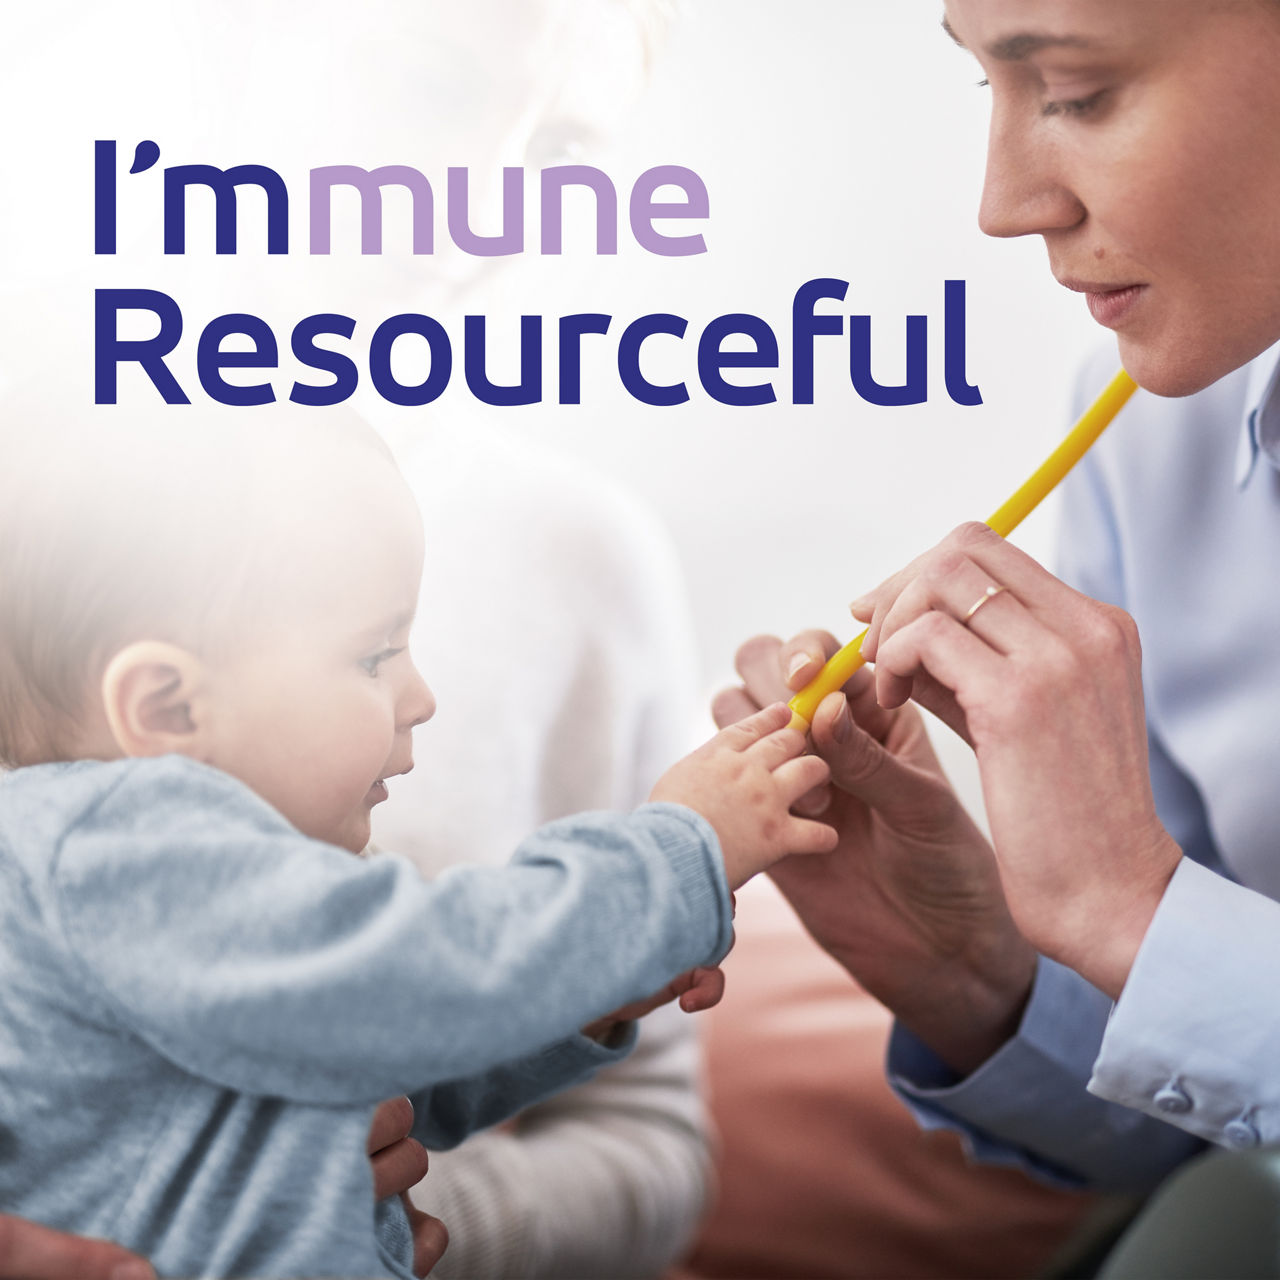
<point>29,1251</point>
<point>399,1163</point>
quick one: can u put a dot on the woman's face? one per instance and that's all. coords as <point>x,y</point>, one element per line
<point>1141,139</point>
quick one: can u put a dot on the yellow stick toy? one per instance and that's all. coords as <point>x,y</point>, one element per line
<point>1006,519</point>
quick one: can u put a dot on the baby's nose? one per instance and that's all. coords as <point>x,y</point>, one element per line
<point>418,704</point>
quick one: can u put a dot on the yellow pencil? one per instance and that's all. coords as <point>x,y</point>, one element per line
<point>1004,521</point>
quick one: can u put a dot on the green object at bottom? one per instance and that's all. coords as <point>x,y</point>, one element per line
<point>1218,1218</point>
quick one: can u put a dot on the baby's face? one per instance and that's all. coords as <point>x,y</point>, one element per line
<point>314,710</point>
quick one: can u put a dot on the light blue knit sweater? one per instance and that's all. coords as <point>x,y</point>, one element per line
<point>202,1007</point>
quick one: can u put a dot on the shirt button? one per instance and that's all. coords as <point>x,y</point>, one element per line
<point>1172,1100</point>
<point>1241,1134</point>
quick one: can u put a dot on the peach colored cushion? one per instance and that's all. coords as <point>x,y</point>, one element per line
<point>822,1171</point>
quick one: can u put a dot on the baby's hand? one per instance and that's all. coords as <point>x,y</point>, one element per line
<point>744,782</point>
<point>698,989</point>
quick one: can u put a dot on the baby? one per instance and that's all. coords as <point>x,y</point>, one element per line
<point>204,688</point>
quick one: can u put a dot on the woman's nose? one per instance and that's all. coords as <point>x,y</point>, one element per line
<point>1026,190</point>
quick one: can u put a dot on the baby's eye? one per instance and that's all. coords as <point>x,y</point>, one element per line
<point>372,663</point>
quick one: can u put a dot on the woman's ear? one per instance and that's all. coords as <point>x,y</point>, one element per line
<point>153,699</point>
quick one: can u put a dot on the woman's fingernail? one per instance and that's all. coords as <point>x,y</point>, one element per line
<point>797,664</point>
<point>842,725</point>
<point>860,605</point>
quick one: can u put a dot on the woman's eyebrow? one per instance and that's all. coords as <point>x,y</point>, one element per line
<point>1014,48</point>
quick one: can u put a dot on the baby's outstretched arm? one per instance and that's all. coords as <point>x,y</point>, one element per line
<point>744,782</point>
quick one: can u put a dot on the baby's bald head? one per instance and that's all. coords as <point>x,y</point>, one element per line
<point>189,525</point>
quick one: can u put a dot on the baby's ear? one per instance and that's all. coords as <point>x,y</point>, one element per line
<point>152,696</point>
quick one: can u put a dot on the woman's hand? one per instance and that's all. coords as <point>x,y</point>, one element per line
<point>1046,685</point>
<point>910,901</point>
<point>400,1162</point>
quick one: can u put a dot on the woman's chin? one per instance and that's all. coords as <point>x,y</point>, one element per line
<point>1166,373</point>
<point>1181,368</point>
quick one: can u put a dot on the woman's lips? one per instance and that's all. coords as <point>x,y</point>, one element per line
<point>1108,305</point>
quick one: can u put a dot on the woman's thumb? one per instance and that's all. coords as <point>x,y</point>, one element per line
<point>862,766</point>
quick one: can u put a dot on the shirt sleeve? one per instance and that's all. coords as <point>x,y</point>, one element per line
<point>1027,1105</point>
<point>272,964</point>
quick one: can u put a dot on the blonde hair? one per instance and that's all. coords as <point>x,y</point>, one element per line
<point>117,526</point>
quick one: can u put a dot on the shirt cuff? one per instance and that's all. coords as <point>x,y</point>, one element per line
<point>693,850</point>
<point>1021,1099</point>
<point>1193,1039</point>
<point>583,1056</point>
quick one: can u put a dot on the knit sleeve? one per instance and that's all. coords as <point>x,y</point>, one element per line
<point>272,964</point>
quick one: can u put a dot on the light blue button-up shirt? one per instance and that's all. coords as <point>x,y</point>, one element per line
<point>1175,517</point>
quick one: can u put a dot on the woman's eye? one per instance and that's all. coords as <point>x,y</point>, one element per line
<point>1074,107</point>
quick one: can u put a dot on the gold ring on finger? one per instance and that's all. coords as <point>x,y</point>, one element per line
<point>989,594</point>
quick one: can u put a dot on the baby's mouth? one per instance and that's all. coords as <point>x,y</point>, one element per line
<point>378,792</point>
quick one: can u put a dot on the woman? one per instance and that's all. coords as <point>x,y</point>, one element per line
<point>1133,854</point>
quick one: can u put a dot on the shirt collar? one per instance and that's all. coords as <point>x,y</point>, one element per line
<point>1260,427</point>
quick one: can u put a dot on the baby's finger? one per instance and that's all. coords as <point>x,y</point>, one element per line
<point>706,991</point>
<point>781,745</point>
<point>796,778</point>
<point>804,835</point>
<point>740,736</point>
